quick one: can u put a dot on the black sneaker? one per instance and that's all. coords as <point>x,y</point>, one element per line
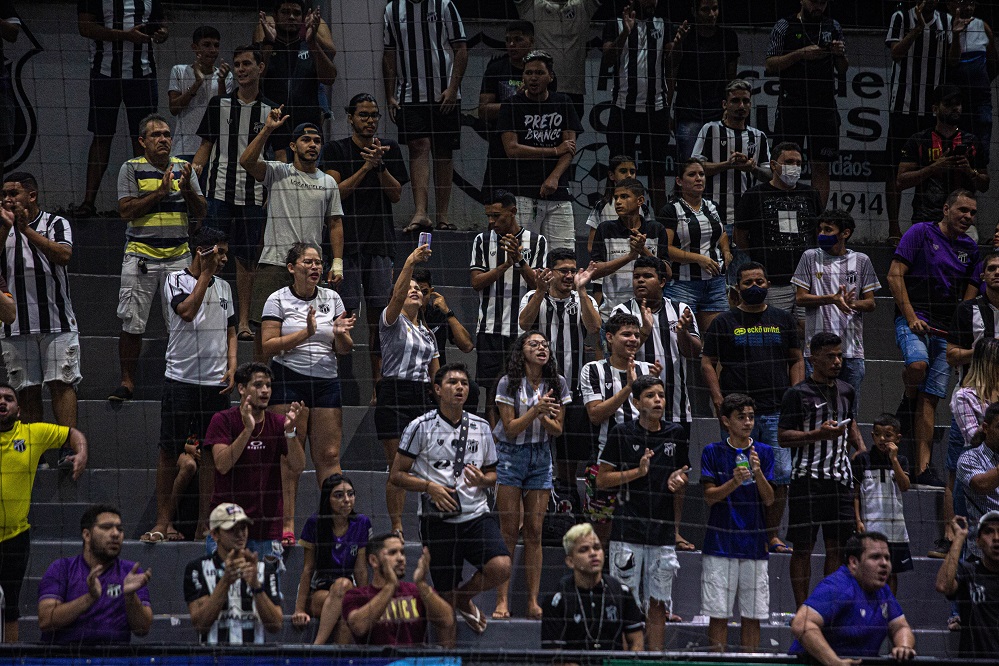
<point>929,480</point>
<point>906,414</point>
<point>940,549</point>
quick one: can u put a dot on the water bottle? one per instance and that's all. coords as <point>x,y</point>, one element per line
<point>742,461</point>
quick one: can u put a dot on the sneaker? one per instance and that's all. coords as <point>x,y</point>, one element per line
<point>928,479</point>
<point>120,394</point>
<point>906,413</point>
<point>940,549</point>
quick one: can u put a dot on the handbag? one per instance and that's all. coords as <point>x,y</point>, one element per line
<point>428,509</point>
<point>558,519</point>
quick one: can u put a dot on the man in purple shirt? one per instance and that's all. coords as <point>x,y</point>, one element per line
<point>935,267</point>
<point>95,598</point>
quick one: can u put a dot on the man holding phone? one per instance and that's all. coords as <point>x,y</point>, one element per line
<point>939,160</point>
<point>818,423</point>
<point>936,266</point>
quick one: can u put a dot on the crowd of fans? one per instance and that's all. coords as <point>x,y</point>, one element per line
<point>586,367</point>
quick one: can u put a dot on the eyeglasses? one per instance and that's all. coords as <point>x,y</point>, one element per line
<point>567,271</point>
<point>311,262</point>
<point>341,494</point>
<point>368,115</point>
<point>537,344</point>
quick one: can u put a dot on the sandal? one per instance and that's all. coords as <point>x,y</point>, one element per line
<point>954,623</point>
<point>473,618</point>
<point>174,535</point>
<point>446,226</point>
<point>288,539</point>
<point>87,209</point>
<point>120,394</point>
<point>417,226</point>
<point>682,545</point>
<point>245,335</point>
<point>152,537</point>
<point>779,547</point>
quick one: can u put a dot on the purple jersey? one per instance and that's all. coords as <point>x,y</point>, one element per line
<point>103,623</point>
<point>940,270</point>
<point>254,482</point>
<point>344,551</point>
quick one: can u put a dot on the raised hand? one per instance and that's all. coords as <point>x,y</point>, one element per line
<point>645,462</point>
<point>166,183</point>
<point>686,320</point>
<point>231,573</point>
<point>656,369</point>
<point>94,588</point>
<point>628,19</point>
<point>584,276</point>
<point>959,527</point>
<point>545,277</point>
<point>248,571</point>
<point>648,318</point>
<point>514,252</point>
<point>678,479</point>
<point>270,31</point>
<point>637,242</point>
<point>291,417</point>
<point>422,567</point>
<point>312,19</point>
<point>892,451</point>
<point>135,581</point>
<point>246,413</point>
<point>754,460</point>
<point>224,70</point>
<point>310,322</point>
<point>419,255</point>
<point>276,118</point>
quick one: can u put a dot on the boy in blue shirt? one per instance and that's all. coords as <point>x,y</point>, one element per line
<point>735,546</point>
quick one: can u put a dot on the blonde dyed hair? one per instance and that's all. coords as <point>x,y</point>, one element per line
<point>575,533</point>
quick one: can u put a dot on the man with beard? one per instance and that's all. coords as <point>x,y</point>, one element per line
<point>569,623</point>
<point>818,422</point>
<point>301,201</point>
<point>941,159</point>
<point>852,610</point>
<point>21,446</point>
<point>936,266</point>
<point>391,611</point>
<point>95,598</point>
<point>370,174</point>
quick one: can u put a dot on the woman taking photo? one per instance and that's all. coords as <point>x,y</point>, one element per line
<point>698,247</point>
<point>530,399</point>
<point>334,539</point>
<point>302,328</point>
<point>409,363</point>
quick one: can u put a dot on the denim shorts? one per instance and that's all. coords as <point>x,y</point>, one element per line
<point>701,295</point>
<point>928,349</point>
<point>526,466</point>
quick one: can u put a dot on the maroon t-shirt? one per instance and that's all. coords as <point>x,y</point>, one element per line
<point>404,621</point>
<point>254,482</point>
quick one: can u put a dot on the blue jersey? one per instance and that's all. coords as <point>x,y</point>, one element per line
<point>855,622</point>
<point>736,526</point>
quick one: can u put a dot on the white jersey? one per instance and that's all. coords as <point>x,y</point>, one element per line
<point>198,351</point>
<point>525,397</point>
<point>315,357</point>
<point>431,441</point>
<point>599,381</point>
<point>185,132</point>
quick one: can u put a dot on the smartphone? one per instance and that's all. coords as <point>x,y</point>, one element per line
<point>425,238</point>
<point>206,251</point>
<point>840,424</point>
<point>938,333</point>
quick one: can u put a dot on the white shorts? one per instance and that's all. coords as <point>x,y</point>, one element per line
<point>552,219</point>
<point>135,298</point>
<point>649,568</point>
<point>723,577</point>
<point>37,358</point>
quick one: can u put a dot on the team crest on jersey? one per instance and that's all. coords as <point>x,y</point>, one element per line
<point>114,590</point>
<point>557,598</point>
<point>962,256</point>
<point>636,446</point>
<point>656,34</point>
<point>851,277</point>
<point>571,308</point>
<point>353,550</point>
<point>224,303</point>
<point>525,252</point>
<point>612,613</point>
<point>257,127</point>
<point>19,445</point>
<point>324,308</point>
<point>431,16</point>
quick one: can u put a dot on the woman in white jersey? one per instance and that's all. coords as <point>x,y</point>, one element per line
<point>409,363</point>
<point>698,247</point>
<point>302,327</point>
<point>530,399</point>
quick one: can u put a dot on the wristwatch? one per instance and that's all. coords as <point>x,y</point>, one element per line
<point>449,314</point>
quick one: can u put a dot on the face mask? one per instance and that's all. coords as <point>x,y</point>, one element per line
<point>827,242</point>
<point>754,295</point>
<point>790,173</point>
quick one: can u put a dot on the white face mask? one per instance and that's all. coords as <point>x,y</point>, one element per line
<point>790,173</point>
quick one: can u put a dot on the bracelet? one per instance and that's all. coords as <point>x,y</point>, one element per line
<point>292,434</point>
<point>256,590</point>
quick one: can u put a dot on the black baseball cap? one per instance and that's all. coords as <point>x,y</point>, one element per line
<point>305,128</point>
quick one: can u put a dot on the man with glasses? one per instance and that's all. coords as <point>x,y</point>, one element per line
<point>370,173</point>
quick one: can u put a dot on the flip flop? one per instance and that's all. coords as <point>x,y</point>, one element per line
<point>174,535</point>
<point>417,226</point>
<point>246,335</point>
<point>501,615</point>
<point>288,539</point>
<point>152,537</point>
<point>674,618</point>
<point>781,548</point>
<point>685,546</point>
<point>474,619</point>
<point>446,226</point>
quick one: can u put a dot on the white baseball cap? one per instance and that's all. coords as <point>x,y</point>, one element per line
<point>226,516</point>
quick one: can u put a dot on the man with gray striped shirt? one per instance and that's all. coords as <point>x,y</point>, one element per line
<point>818,421</point>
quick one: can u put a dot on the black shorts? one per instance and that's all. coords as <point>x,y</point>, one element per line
<point>324,581</point>
<point>811,128</point>
<point>313,392</point>
<point>452,544</point>
<point>419,120</point>
<point>14,554</point>
<point>243,225</point>
<point>576,442</point>
<point>814,504</point>
<point>491,353</point>
<point>901,558</point>
<point>399,402</point>
<point>141,97</point>
<point>650,130</point>
<point>901,127</point>
<point>185,412</point>
<point>371,273</point>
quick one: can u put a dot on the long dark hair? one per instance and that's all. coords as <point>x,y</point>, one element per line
<point>515,367</point>
<point>324,524</point>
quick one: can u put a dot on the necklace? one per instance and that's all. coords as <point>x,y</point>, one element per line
<point>592,638</point>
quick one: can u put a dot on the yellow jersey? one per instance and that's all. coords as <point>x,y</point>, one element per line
<point>20,449</point>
